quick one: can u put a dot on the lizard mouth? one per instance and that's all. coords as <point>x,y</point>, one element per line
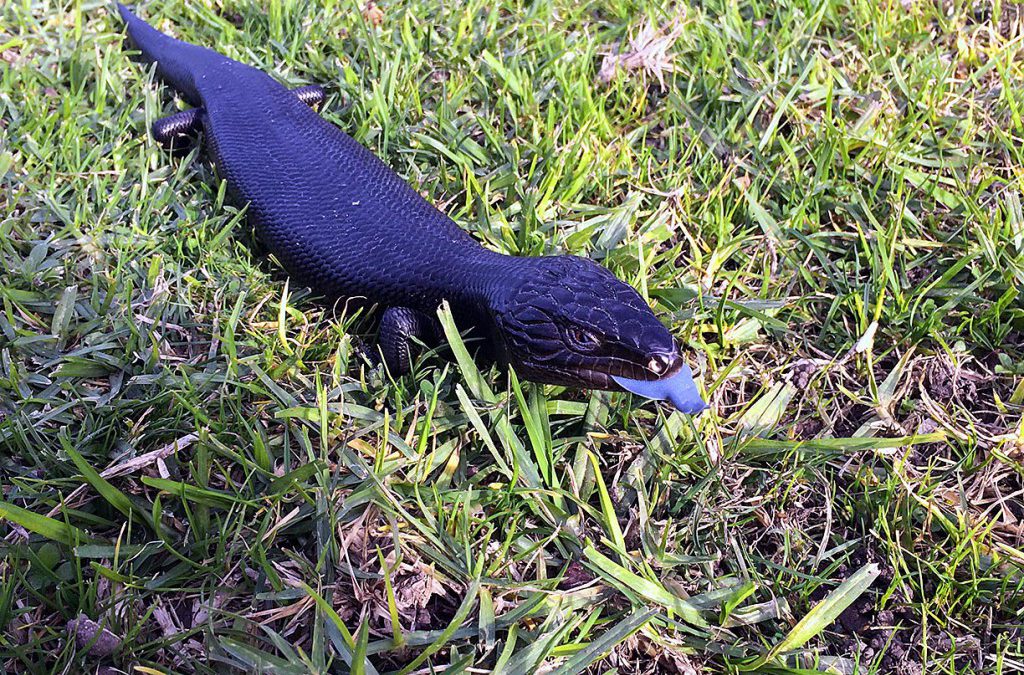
<point>666,377</point>
<point>678,388</point>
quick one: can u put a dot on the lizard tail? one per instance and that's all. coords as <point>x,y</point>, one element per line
<point>178,62</point>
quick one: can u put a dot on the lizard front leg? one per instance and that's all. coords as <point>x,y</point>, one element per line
<point>398,327</point>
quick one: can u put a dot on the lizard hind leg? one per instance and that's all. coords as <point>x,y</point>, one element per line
<point>398,327</point>
<point>172,130</point>
<point>311,94</point>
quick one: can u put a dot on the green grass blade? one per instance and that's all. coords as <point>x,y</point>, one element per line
<point>347,652</point>
<point>619,576</point>
<point>587,656</point>
<point>461,614</point>
<point>115,497</point>
<point>50,528</point>
<point>825,612</point>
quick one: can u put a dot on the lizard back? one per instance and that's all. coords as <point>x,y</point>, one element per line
<point>337,217</point>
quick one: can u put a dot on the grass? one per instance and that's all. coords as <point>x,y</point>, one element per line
<point>822,198</point>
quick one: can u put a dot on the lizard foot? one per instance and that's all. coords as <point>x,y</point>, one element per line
<point>398,327</point>
<point>175,130</point>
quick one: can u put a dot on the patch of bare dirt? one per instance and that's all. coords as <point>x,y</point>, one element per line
<point>1011,22</point>
<point>639,655</point>
<point>872,633</point>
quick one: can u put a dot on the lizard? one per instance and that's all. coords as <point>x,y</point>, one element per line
<point>346,225</point>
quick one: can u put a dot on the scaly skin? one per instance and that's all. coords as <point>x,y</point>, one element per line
<point>344,224</point>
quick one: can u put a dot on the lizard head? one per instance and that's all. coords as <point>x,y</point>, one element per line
<point>571,322</point>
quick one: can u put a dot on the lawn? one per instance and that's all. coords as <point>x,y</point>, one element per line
<point>200,470</point>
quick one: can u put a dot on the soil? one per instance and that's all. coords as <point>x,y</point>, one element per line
<point>870,631</point>
<point>892,634</point>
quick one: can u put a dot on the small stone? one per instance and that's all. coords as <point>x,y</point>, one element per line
<point>100,641</point>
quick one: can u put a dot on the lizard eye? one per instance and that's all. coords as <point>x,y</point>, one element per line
<point>583,339</point>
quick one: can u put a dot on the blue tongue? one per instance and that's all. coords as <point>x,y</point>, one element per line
<point>680,389</point>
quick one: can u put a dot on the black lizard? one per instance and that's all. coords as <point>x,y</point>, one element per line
<point>347,226</point>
